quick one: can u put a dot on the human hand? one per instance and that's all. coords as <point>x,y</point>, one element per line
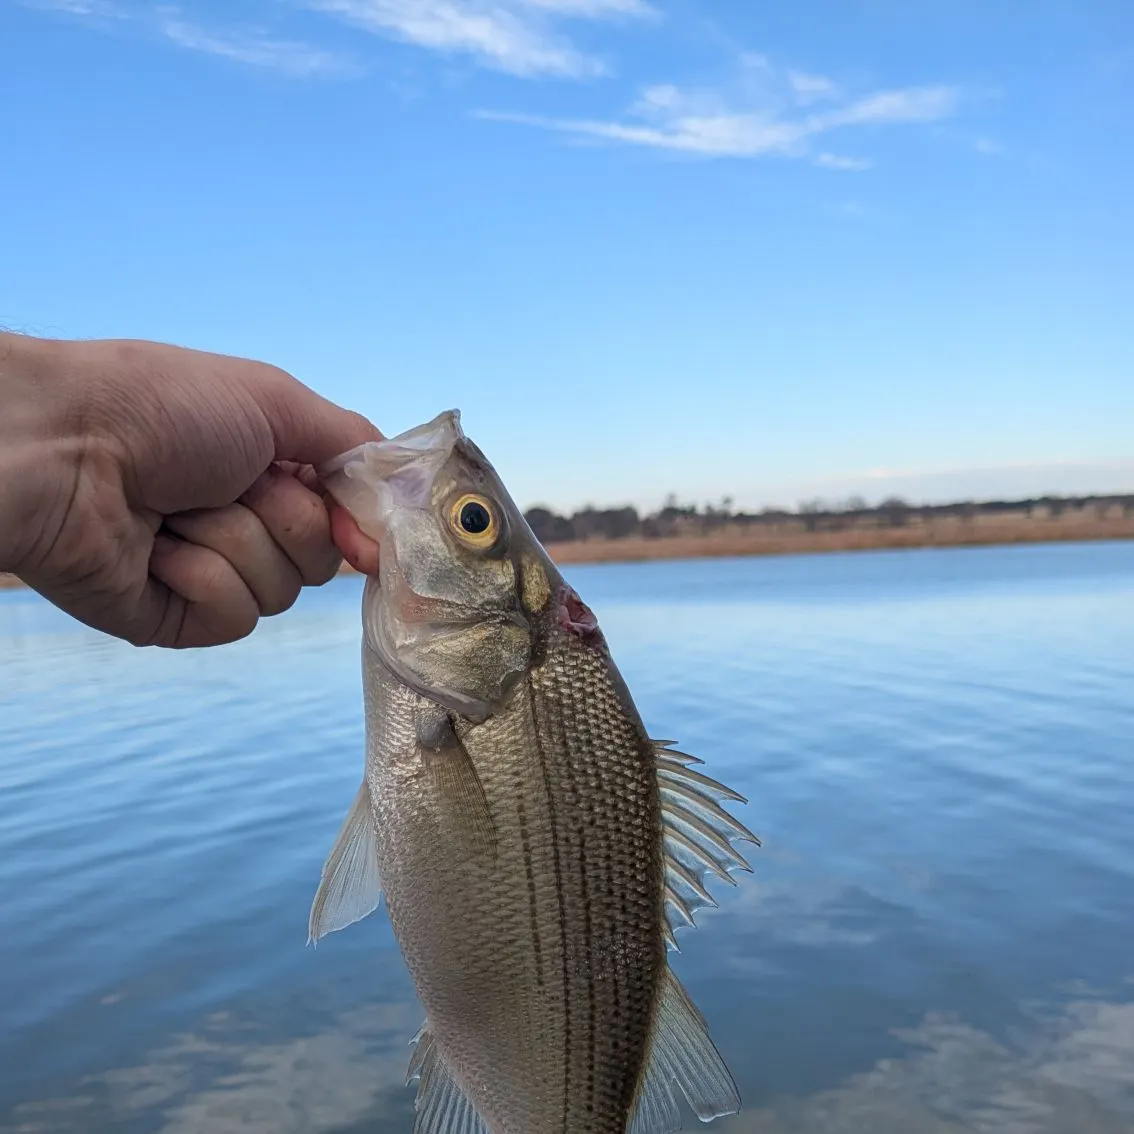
<point>165,495</point>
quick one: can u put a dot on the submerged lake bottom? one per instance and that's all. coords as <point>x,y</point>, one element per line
<point>938,752</point>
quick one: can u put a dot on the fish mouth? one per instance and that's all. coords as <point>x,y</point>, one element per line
<point>432,442</point>
<point>406,630</point>
<point>372,479</point>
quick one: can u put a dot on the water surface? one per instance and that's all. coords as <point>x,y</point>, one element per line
<point>939,936</point>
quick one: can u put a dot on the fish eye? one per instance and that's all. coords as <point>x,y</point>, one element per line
<point>474,520</point>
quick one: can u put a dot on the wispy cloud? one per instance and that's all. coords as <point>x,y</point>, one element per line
<point>255,48</point>
<point>591,8</point>
<point>519,37</point>
<point>811,88</point>
<point>101,9</point>
<point>909,104</point>
<point>837,161</point>
<point>765,114</point>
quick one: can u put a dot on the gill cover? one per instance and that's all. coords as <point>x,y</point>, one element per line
<point>444,614</point>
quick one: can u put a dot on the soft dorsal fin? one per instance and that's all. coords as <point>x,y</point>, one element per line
<point>350,887</point>
<point>442,1107</point>
<point>699,834</point>
<point>683,1058</point>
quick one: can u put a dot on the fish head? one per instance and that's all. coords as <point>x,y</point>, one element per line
<point>462,580</point>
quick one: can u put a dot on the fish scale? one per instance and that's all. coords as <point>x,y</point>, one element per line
<point>609,819</point>
<point>587,887</point>
<point>536,848</point>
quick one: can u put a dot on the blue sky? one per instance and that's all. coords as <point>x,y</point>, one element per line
<point>763,250</point>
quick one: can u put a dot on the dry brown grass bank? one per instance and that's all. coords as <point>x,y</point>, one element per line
<point>794,539</point>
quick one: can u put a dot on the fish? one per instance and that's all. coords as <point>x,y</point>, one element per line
<point>536,848</point>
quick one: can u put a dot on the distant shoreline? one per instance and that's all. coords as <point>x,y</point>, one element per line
<point>636,549</point>
<point>792,539</point>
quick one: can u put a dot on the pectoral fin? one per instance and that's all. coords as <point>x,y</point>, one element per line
<point>350,887</point>
<point>464,811</point>
<point>682,1058</point>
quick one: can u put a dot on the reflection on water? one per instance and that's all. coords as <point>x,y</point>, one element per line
<point>1068,1073</point>
<point>937,938</point>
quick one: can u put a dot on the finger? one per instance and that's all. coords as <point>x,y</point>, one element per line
<point>306,475</point>
<point>296,519</point>
<point>309,478</point>
<point>359,550</point>
<point>237,535</point>
<point>207,604</point>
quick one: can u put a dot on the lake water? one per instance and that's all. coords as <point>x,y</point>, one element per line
<point>938,750</point>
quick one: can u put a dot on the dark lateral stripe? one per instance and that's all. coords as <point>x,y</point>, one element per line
<point>584,883</point>
<point>544,770</point>
<point>533,907</point>
<point>590,979</point>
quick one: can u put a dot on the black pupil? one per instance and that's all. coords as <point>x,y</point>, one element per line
<point>475,518</point>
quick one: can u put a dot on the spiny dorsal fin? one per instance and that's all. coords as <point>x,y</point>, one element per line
<point>350,887</point>
<point>682,1058</point>
<point>698,835</point>
<point>442,1107</point>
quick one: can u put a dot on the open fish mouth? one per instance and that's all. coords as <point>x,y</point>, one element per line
<point>374,478</point>
<point>425,446</point>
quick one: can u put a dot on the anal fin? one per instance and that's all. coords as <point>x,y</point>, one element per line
<point>683,1059</point>
<point>350,887</point>
<point>441,1106</point>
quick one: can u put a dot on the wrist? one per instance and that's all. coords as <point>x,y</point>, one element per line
<point>40,451</point>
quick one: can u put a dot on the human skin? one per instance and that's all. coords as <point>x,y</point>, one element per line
<point>166,496</point>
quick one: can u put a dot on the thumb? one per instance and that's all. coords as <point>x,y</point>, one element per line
<point>307,427</point>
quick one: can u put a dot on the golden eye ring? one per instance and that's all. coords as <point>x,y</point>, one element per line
<point>473,520</point>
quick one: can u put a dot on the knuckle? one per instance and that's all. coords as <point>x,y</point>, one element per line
<point>312,527</point>
<point>283,598</point>
<point>325,571</point>
<point>229,621</point>
<point>242,627</point>
<point>298,522</point>
<point>306,535</point>
<point>141,636</point>
<point>240,527</point>
<point>231,630</point>
<point>362,423</point>
<point>257,492</point>
<point>276,375</point>
<point>214,578</point>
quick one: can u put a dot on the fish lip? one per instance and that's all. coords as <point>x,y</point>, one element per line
<point>376,477</point>
<point>432,439</point>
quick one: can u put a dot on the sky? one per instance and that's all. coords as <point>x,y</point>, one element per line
<point>715,248</point>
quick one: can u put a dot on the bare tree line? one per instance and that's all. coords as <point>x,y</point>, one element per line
<point>677,519</point>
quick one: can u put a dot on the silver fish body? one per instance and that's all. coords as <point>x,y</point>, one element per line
<point>536,848</point>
